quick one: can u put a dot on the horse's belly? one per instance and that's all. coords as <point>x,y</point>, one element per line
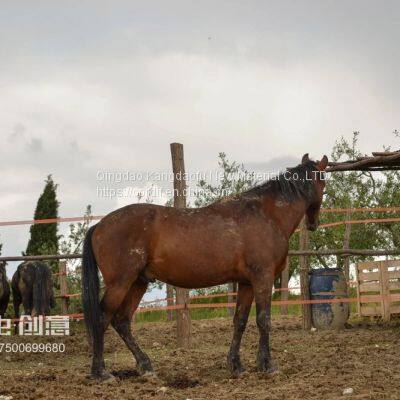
<point>191,276</point>
<point>207,261</point>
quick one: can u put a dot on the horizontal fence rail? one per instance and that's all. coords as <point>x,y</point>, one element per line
<point>323,210</point>
<point>51,220</point>
<point>293,253</point>
<point>42,257</point>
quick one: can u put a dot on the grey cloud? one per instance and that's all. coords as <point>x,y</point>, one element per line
<point>18,132</point>
<point>35,145</point>
<point>273,165</point>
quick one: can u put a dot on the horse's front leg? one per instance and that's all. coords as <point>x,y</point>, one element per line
<point>263,294</point>
<point>243,305</point>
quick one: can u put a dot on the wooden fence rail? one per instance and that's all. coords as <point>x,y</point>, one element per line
<point>292,253</point>
<point>98,217</point>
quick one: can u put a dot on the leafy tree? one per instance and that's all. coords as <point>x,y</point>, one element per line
<point>355,189</point>
<point>344,190</point>
<point>44,237</point>
<point>234,179</point>
<point>72,243</point>
<point>387,194</point>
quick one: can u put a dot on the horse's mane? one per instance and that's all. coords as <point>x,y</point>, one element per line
<point>292,184</point>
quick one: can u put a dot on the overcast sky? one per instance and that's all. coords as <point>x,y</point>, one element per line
<point>106,86</point>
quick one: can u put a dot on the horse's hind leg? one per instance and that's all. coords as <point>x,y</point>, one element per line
<point>243,305</point>
<point>112,299</point>
<point>122,324</point>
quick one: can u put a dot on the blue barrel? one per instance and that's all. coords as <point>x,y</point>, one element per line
<point>328,283</point>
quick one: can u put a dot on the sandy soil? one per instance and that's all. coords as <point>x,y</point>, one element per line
<point>312,365</point>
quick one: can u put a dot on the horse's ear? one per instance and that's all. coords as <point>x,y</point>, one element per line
<point>305,159</point>
<point>323,163</point>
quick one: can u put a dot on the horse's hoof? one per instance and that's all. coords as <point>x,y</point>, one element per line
<point>151,377</point>
<point>236,372</point>
<point>146,370</point>
<point>109,379</point>
<point>272,370</point>
<point>235,367</point>
<point>103,376</point>
<point>149,373</point>
<point>267,367</point>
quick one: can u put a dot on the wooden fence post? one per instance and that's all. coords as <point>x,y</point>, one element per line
<point>62,270</point>
<point>285,287</point>
<point>304,278</point>
<point>385,291</point>
<point>346,246</point>
<point>232,288</point>
<point>358,291</point>
<point>182,295</point>
<point>170,301</point>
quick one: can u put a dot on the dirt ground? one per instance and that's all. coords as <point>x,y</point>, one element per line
<point>312,365</point>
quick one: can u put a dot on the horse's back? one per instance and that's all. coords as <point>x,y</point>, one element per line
<point>149,225</point>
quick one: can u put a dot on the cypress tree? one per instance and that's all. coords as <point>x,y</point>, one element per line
<point>44,237</point>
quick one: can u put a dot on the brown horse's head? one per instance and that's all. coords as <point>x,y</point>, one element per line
<point>318,179</point>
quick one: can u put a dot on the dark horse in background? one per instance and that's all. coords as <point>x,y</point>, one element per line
<point>4,289</point>
<point>32,285</point>
<point>244,239</point>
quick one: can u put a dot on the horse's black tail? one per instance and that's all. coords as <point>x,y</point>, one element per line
<point>90,289</point>
<point>41,296</point>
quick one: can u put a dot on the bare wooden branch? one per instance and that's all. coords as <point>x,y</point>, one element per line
<point>384,153</point>
<point>379,161</point>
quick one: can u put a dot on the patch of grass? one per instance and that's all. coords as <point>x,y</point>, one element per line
<point>208,313</point>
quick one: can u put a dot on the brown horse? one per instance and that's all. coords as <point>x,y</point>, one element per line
<point>243,240</point>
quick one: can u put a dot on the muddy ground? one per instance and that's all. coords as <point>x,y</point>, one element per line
<point>312,365</point>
